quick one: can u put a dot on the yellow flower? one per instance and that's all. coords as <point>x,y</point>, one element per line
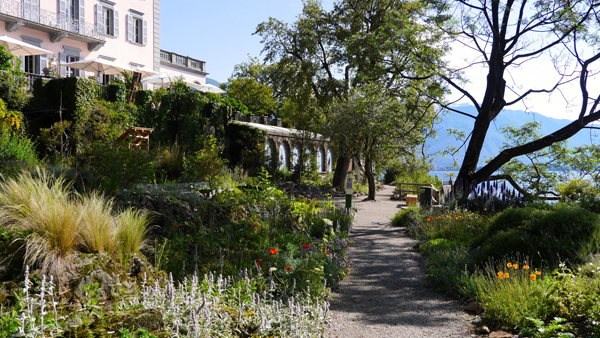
<point>532,276</point>
<point>506,275</point>
<point>538,273</point>
<point>509,265</point>
<point>526,267</point>
<point>516,266</point>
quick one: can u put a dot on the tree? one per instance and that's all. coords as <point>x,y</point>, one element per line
<point>374,126</point>
<point>248,85</point>
<point>323,55</point>
<point>510,34</point>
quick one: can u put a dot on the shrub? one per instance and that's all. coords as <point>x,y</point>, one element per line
<point>116,92</point>
<point>205,164</point>
<point>118,166</point>
<point>17,153</point>
<point>406,217</point>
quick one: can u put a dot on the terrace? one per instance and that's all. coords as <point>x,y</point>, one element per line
<point>17,14</point>
<point>186,62</point>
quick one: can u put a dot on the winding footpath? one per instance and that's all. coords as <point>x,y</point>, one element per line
<point>386,293</point>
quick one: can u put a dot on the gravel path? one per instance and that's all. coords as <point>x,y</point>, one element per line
<point>386,293</point>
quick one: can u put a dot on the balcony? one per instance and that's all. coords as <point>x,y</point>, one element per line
<point>177,60</point>
<point>16,14</point>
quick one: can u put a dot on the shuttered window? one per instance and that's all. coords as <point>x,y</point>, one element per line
<point>137,29</point>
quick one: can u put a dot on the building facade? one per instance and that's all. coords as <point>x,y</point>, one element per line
<point>126,32</point>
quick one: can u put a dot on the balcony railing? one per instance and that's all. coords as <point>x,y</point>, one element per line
<point>35,14</point>
<point>181,60</point>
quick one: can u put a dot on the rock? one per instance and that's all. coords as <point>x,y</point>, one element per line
<point>105,285</point>
<point>501,334</point>
<point>137,265</point>
<point>476,321</point>
<point>476,307</point>
<point>150,320</point>
<point>483,330</point>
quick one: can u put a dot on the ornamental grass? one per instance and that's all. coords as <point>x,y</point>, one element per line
<point>510,295</point>
<point>59,222</point>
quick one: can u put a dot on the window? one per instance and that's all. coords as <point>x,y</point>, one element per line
<point>32,64</point>
<point>137,29</point>
<point>107,19</point>
<point>71,72</point>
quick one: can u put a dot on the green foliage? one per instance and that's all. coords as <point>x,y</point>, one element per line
<point>13,90</point>
<point>117,166</point>
<point>406,217</point>
<point>246,146</point>
<point>205,164</point>
<point>17,153</point>
<point>116,92</point>
<point>546,236</point>
<point>6,60</point>
<point>257,97</point>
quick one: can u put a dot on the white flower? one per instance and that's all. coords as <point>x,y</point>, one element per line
<point>273,269</point>
<point>327,221</point>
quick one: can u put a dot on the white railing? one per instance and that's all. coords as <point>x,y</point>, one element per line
<point>35,14</point>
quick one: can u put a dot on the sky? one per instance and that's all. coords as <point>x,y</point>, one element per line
<point>220,33</point>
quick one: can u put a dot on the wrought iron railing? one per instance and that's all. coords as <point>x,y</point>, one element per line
<point>51,19</point>
<point>182,60</point>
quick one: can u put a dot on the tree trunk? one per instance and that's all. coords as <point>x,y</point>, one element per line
<point>370,179</point>
<point>341,172</point>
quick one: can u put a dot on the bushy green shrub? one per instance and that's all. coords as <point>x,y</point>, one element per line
<point>116,92</point>
<point>117,166</point>
<point>205,164</point>
<point>17,153</point>
<point>406,217</point>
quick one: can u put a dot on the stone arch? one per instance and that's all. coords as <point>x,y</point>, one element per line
<point>270,150</point>
<point>284,155</point>
<point>329,160</point>
<point>321,159</point>
<point>295,155</point>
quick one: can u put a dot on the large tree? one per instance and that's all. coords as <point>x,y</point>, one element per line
<point>324,54</point>
<point>374,126</point>
<point>507,35</point>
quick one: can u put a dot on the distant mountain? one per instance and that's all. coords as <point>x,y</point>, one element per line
<point>212,82</point>
<point>495,139</point>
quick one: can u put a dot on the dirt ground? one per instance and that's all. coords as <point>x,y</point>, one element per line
<point>386,293</point>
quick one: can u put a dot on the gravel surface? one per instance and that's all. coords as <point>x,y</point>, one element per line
<point>386,293</point>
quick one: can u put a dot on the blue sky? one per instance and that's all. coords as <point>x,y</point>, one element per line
<point>220,32</point>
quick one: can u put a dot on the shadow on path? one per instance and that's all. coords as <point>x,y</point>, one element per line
<point>386,294</point>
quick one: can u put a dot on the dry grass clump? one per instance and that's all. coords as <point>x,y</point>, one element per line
<point>61,222</point>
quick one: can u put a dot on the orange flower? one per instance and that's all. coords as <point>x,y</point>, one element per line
<point>288,267</point>
<point>506,275</point>
<point>538,273</point>
<point>500,277</point>
<point>509,265</point>
<point>516,266</point>
<point>306,246</point>
<point>273,251</point>
<point>448,216</point>
<point>526,267</point>
<point>326,252</point>
<point>532,276</point>
<point>439,217</point>
<point>258,262</point>
<point>426,228</point>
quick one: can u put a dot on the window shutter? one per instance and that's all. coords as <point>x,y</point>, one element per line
<point>62,13</point>
<point>27,9</point>
<point>82,16</point>
<point>130,28</point>
<point>115,23</point>
<point>145,39</point>
<point>35,10</point>
<point>43,63</point>
<point>99,21</point>
<point>62,71</point>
